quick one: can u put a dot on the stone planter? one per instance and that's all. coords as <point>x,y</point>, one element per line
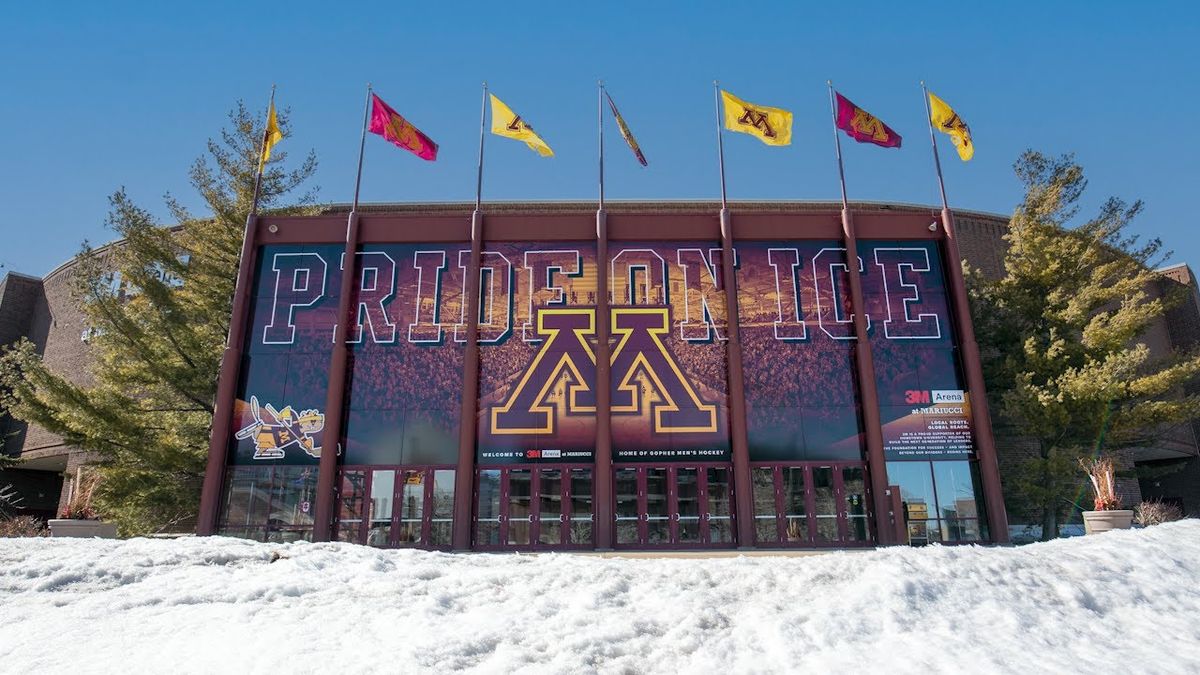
<point>67,527</point>
<point>1095,522</point>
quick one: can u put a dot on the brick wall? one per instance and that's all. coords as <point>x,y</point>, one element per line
<point>19,295</point>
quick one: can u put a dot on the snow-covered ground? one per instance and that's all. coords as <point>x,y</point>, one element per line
<point>1119,602</point>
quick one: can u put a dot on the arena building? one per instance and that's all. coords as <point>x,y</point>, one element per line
<point>564,417</point>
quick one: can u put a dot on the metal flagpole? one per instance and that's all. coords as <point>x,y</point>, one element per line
<point>837,141</point>
<point>937,161</point>
<point>482,128</point>
<point>464,477</point>
<point>602,490</point>
<point>231,357</point>
<point>989,471</point>
<point>720,141</point>
<point>361,145</point>
<point>886,519</point>
<point>261,149</point>
<point>335,394</point>
<point>600,126</point>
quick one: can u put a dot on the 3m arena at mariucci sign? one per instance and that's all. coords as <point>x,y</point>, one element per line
<point>597,391</point>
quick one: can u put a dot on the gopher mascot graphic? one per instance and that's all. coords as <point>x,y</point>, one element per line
<point>281,429</point>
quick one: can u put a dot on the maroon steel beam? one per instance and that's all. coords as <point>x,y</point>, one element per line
<point>868,393</point>
<point>336,393</point>
<point>231,361</point>
<point>602,492</point>
<point>985,444</point>
<point>897,507</point>
<point>464,476</point>
<point>736,391</point>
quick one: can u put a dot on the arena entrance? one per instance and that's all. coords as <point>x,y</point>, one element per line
<point>533,507</point>
<point>396,506</point>
<point>811,504</point>
<point>674,506</point>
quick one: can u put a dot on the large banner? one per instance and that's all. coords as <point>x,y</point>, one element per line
<point>923,405</point>
<point>279,415</point>
<point>799,346</point>
<point>669,327</point>
<point>537,346</point>
<point>537,363</point>
<point>798,351</point>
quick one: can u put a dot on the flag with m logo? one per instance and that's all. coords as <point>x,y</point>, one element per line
<point>772,126</point>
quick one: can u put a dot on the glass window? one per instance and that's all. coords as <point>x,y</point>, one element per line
<point>383,486</point>
<point>520,503</point>
<point>412,508</point>
<point>942,500</point>
<point>795,509</point>
<point>762,480</point>
<point>487,529</point>
<point>626,488</point>
<point>826,503</point>
<point>687,514</point>
<point>720,510</point>
<point>581,506</point>
<point>955,490</point>
<point>350,505</point>
<point>441,525</point>
<point>550,511</point>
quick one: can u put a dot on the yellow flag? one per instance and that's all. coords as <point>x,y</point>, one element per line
<point>507,123</point>
<point>948,122</point>
<point>271,136</point>
<point>772,126</point>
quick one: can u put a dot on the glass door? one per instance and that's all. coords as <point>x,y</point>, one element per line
<point>674,506</point>
<point>396,506</point>
<point>533,508</point>
<point>519,502</point>
<point>811,504</point>
<point>551,518</point>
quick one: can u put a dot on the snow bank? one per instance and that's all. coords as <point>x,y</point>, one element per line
<point>1119,601</point>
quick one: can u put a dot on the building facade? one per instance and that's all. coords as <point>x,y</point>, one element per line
<point>766,426</point>
<point>659,375</point>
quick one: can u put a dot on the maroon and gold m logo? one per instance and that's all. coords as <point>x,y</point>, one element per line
<point>758,120</point>
<point>646,378</point>
<point>515,124</point>
<point>867,124</point>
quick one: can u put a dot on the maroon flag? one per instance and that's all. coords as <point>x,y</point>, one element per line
<point>864,127</point>
<point>389,124</point>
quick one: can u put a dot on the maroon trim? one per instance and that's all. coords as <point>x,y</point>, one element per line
<point>327,472</point>
<point>896,502</point>
<point>868,394</point>
<point>683,227</point>
<point>302,229</point>
<point>985,445</point>
<point>739,442</point>
<point>602,481</point>
<point>463,480</point>
<point>379,229</point>
<point>231,362</point>
<point>541,227</point>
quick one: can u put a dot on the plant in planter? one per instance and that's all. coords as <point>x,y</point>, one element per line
<point>1108,514</point>
<point>79,517</point>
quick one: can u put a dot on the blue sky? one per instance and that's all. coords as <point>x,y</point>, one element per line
<point>102,95</point>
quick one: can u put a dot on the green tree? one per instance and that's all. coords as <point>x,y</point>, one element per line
<point>158,308</point>
<point>1062,337</point>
